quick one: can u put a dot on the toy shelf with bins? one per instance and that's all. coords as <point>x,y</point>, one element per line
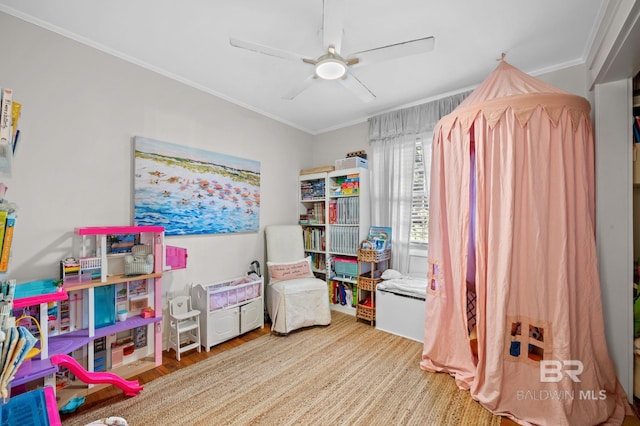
<point>348,221</point>
<point>371,264</point>
<point>82,270</point>
<point>94,304</point>
<point>343,283</point>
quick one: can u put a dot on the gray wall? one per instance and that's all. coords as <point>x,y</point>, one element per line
<point>73,166</point>
<point>614,222</point>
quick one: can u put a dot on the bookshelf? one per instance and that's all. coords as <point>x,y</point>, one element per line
<point>313,213</point>
<point>335,217</point>
<point>10,111</point>
<point>11,298</point>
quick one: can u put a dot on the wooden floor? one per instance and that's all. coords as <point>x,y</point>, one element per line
<point>170,364</point>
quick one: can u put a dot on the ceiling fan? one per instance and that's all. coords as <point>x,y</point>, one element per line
<point>332,65</point>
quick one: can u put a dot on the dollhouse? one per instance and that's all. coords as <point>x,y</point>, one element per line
<point>83,320</point>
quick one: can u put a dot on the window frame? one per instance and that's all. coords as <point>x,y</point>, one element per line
<point>420,196</point>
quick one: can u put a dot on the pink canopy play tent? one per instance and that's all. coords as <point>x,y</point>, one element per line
<point>512,256</point>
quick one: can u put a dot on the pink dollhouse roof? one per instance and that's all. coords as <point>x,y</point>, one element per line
<point>508,87</point>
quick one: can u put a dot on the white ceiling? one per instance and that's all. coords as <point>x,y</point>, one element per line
<point>189,40</point>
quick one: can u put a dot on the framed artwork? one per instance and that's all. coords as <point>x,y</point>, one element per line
<point>121,243</point>
<point>193,191</point>
<point>137,288</point>
<point>121,292</point>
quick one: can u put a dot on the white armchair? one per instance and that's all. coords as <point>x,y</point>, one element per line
<point>294,297</point>
<point>140,261</point>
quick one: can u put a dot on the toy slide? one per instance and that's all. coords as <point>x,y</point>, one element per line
<point>130,387</point>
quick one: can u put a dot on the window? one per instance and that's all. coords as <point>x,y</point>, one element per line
<point>420,197</point>
<point>534,343</point>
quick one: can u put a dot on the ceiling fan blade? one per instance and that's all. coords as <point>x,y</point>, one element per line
<point>394,51</point>
<point>299,88</point>
<point>352,83</point>
<point>266,50</point>
<point>332,23</point>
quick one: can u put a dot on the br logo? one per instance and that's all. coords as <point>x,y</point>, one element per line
<point>552,371</point>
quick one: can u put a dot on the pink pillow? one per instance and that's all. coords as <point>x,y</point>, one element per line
<point>290,270</point>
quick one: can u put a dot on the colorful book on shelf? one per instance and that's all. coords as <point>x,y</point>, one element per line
<point>5,116</point>
<point>333,211</point>
<point>16,139</point>
<point>6,149</point>
<point>6,245</point>
<point>3,222</point>
<point>16,107</point>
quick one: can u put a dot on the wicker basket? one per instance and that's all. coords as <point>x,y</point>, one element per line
<point>369,255</point>
<point>368,283</point>
<point>366,313</point>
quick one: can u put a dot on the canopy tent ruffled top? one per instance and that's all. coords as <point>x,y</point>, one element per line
<point>509,88</point>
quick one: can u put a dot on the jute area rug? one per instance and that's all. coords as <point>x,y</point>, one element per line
<point>347,373</point>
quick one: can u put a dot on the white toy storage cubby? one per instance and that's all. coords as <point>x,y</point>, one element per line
<point>228,309</point>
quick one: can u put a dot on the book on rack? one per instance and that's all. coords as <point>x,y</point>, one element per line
<point>6,245</point>
<point>6,150</point>
<point>333,211</point>
<point>5,116</point>
<point>3,222</point>
<point>16,108</point>
<point>380,236</point>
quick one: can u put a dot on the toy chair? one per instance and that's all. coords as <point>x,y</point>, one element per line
<point>295,298</point>
<point>140,261</point>
<point>184,325</point>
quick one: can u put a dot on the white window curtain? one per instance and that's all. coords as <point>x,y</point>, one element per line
<point>392,137</point>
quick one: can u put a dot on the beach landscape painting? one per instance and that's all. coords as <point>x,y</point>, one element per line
<point>193,191</point>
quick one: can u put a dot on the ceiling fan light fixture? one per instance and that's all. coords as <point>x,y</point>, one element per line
<point>331,68</point>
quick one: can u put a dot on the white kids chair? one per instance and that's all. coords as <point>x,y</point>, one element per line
<point>184,325</point>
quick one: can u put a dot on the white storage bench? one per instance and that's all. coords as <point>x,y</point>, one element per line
<point>229,308</point>
<point>400,307</point>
